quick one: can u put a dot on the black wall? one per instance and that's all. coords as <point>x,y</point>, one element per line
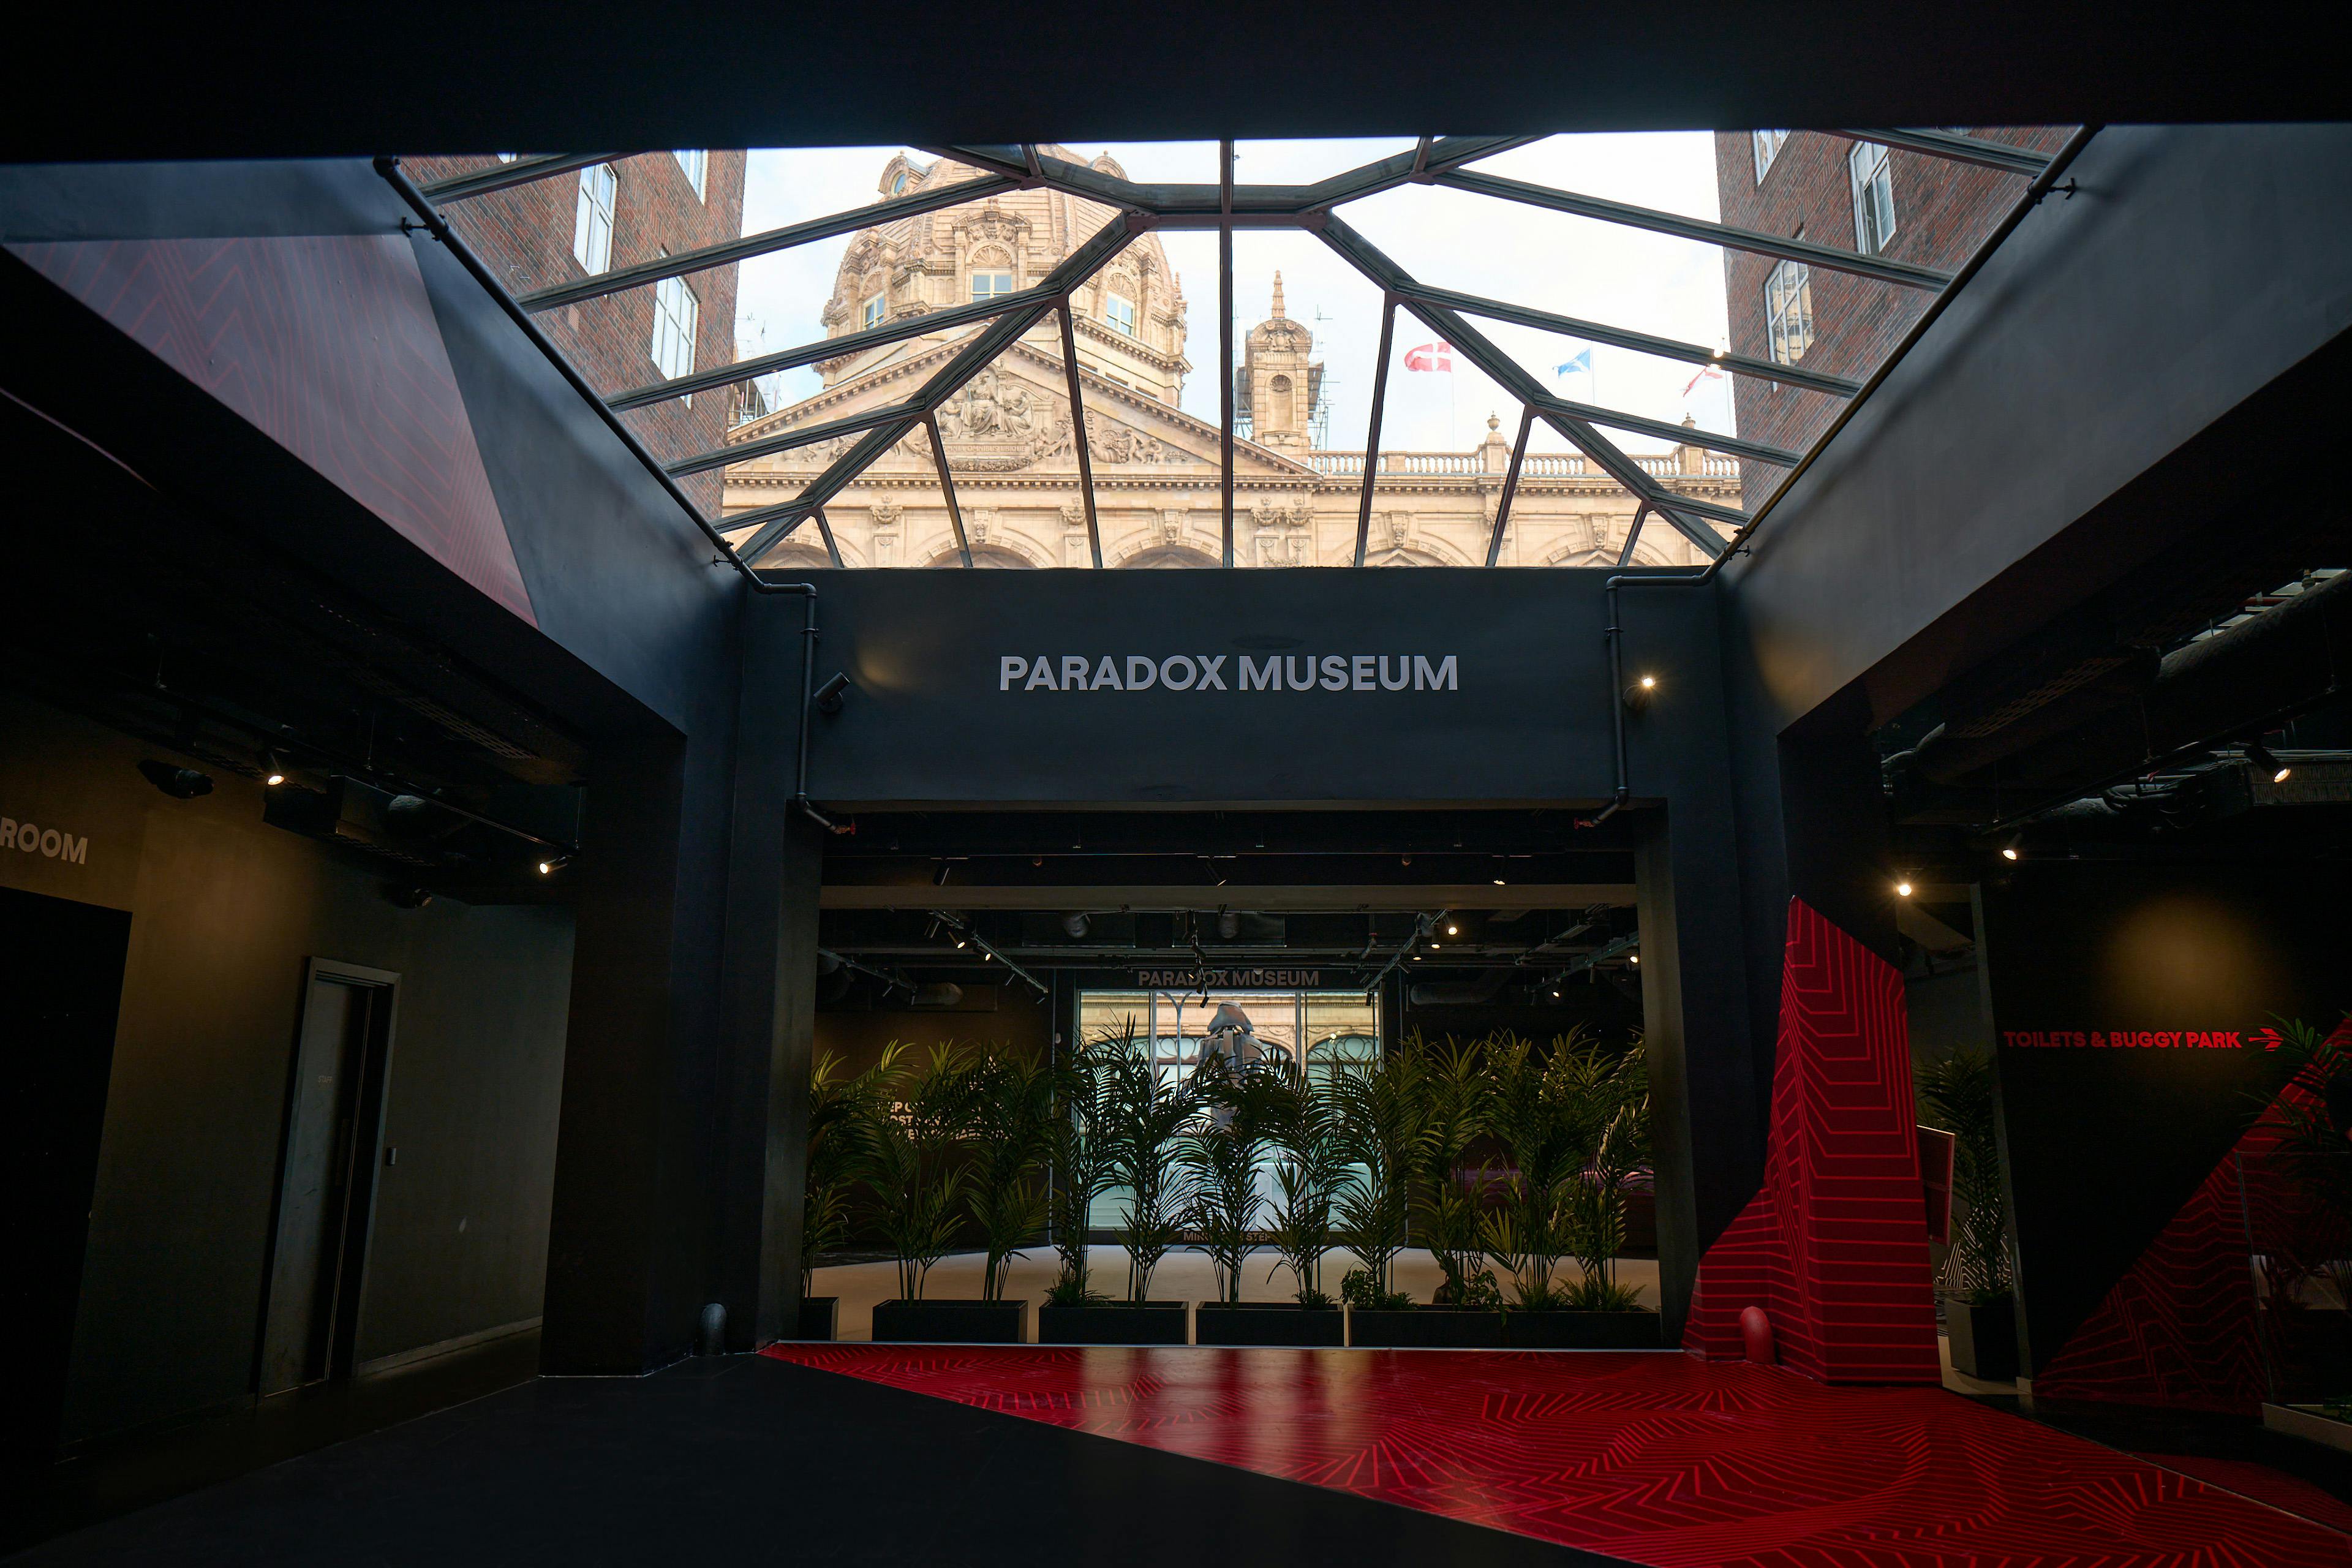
<point>928,722</point>
<point>2104,1145</point>
<point>224,913</point>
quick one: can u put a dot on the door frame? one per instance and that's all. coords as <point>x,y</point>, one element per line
<point>367,1156</point>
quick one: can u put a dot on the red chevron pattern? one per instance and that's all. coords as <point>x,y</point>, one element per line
<point>2181,1328</point>
<point>1656,1458</point>
<point>327,344</point>
<point>1834,1246</point>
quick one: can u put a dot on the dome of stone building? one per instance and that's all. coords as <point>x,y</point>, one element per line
<point>1131,324</point>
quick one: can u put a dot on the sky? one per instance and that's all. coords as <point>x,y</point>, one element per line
<point>1476,245</point>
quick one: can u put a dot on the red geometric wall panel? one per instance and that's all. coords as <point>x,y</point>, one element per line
<point>326,344</point>
<point>2181,1328</point>
<point>1655,1459</point>
<point>1834,1245</point>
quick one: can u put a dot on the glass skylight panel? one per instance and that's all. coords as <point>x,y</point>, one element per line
<point>1653,296</point>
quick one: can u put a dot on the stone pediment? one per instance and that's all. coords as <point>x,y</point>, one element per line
<point>1014,416</point>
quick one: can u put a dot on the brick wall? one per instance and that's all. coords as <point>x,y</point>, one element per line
<point>1943,211</point>
<point>525,235</point>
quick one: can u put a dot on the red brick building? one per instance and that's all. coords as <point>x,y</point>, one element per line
<point>612,215</point>
<point>1850,196</point>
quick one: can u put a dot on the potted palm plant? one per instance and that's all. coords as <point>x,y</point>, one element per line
<point>1383,1119</point>
<point>1081,1172</point>
<point>1117,1122</point>
<point>835,1103</point>
<point>1452,1087</point>
<point>914,1161</point>
<point>1302,1117</point>
<point>1222,1153</point>
<point>1955,1094</point>
<point>1554,1113</point>
<point>1011,1102</point>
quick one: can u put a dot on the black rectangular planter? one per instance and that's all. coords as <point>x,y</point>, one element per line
<point>1983,1337</point>
<point>1115,1323</point>
<point>952,1322</point>
<point>820,1317</point>
<point>1580,1331</point>
<point>1268,1323</point>
<point>1427,1328</point>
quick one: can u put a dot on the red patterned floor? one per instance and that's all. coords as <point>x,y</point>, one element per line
<point>1660,1459</point>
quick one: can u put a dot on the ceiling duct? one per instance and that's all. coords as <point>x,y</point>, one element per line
<point>1471,994</point>
<point>2210,691</point>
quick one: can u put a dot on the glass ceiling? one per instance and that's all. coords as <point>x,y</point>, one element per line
<point>1567,351</point>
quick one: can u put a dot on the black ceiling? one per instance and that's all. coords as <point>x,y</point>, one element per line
<point>313,80</point>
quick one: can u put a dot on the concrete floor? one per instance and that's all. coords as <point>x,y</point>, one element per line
<point>1182,1276</point>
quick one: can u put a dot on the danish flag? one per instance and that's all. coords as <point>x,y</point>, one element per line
<point>1438,355</point>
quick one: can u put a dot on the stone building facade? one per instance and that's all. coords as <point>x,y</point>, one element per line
<point>1804,183</point>
<point>531,236</point>
<point>1157,469</point>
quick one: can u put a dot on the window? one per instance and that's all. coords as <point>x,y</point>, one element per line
<point>1768,147</point>
<point>1874,196</point>
<point>1789,310</point>
<point>505,157</point>
<point>898,182</point>
<point>591,226</point>
<point>676,311</point>
<point>697,165</point>
<point>873,313</point>
<point>1121,314</point>
<point>990,285</point>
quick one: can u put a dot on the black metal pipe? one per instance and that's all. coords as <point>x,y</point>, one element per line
<point>1615,635</point>
<point>807,591</point>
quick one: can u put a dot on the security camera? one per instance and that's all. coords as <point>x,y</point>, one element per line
<point>180,784</point>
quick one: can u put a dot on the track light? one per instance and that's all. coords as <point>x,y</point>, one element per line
<point>1075,923</point>
<point>273,769</point>
<point>552,864</point>
<point>1229,925</point>
<point>2262,757</point>
<point>1453,930</point>
<point>1903,888</point>
<point>1498,881</point>
<point>2014,849</point>
<point>1632,958</point>
<point>180,784</point>
<point>827,697</point>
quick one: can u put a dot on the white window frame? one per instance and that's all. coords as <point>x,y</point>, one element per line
<point>877,307</point>
<point>697,164</point>
<point>993,293</point>
<point>1870,175</point>
<point>1789,310</point>
<point>592,221</point>
<point>678,317</point>
<point>1766,145</point>
<point>1113,304</point>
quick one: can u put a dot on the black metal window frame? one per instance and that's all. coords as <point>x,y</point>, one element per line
<point>1225,206</point>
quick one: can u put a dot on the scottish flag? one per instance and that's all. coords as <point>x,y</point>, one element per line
<point>1581,361</point>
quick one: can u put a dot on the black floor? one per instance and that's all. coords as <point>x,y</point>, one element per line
<point>752,1459</point>
<point>103,1479</point>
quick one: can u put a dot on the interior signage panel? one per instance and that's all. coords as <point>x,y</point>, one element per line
<point>1205,687</point>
